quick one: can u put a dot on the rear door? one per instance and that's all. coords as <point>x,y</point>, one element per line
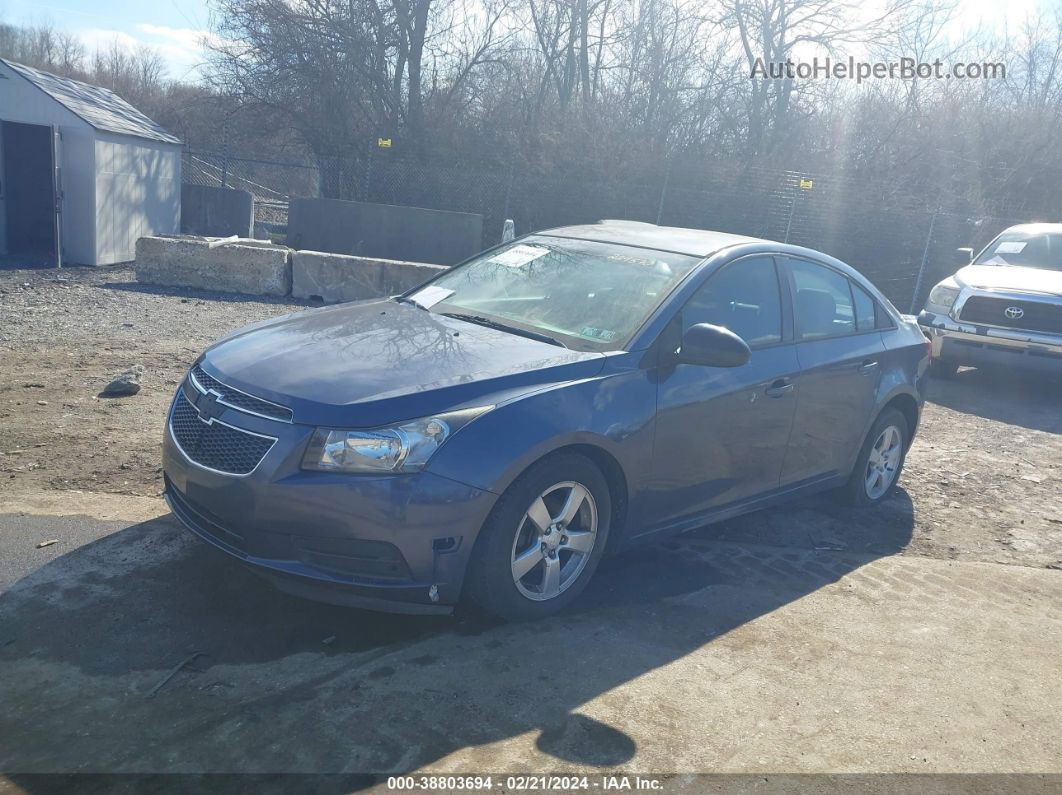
<point>840,353</point>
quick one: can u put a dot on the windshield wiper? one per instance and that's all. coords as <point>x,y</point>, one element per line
<point>489,323</point>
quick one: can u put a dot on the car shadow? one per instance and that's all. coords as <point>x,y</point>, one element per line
<point>92,646</point>
<point>1012,396</point>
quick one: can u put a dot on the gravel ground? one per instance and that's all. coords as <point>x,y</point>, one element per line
<point>983,480</point>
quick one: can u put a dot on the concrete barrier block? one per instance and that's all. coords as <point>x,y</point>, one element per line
<point>337,277</point>
<point>251,269</point>
<point>397,277</point>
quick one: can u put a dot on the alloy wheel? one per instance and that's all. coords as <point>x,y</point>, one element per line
<point>884,462</point>
<point>554,541</point>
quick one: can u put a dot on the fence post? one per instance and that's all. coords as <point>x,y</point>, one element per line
<point>789,223</point>
<point>667,178</point>
<point>663,192</point>
<point>509,189</point>
<point>225,169</point>
<point>368,175</point>
<point>922,267</point>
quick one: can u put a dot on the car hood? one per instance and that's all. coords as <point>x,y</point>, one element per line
<point>378,362</point>
<point>1011,277</point>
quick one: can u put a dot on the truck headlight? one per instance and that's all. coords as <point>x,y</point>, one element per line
<point>399,448</point>
<point>943,295</point>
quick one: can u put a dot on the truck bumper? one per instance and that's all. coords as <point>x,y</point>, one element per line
<point>975,345</point>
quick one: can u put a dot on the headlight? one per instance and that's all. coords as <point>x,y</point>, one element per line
<point>943,295</point>
<point>401,448</point>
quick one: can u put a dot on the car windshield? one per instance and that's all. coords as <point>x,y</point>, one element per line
<point>1033,250</point>
<point>582,294</point>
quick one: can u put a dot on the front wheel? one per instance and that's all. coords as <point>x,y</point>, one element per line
<point>543,540</point>
<point>880,460</point>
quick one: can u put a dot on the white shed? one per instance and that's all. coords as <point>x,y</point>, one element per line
<point>82,172</point>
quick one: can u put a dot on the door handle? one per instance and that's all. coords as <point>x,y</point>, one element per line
<point>780,387</point>
<point>867,367</point>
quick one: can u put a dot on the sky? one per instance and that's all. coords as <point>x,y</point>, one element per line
<point>175,27</point>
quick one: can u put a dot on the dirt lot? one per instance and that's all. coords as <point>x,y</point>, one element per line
<point>983,480</point>
<point>810,638</point>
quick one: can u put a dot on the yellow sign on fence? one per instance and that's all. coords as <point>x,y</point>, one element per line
<point>383,143</point>
<point>806,184</point>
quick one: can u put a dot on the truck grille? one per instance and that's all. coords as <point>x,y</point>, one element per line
<point>215,445</point>
<point>1034,315</point>
<point>241,401</point>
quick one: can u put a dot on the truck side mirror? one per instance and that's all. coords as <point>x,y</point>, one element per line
<point>966,255</point>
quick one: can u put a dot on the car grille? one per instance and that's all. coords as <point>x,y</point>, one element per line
<point>1035,315</point>
<point>238,400</point>
<point>215,445</point>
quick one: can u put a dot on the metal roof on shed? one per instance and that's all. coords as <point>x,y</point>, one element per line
<point>101,108</point>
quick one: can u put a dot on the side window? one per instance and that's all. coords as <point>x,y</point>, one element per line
<point>744,297</point>
<point>823,301</point>
<point>865,309</point>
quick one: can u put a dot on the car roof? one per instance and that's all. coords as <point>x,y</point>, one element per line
<point>692,242</point>
<point>1036,229</point>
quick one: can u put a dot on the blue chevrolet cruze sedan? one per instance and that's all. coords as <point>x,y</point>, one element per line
<point>491,434</point>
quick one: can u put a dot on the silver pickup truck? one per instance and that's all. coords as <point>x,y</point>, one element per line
<point>1005,308</point>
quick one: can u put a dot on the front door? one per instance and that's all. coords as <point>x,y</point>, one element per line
<point>721,433</point>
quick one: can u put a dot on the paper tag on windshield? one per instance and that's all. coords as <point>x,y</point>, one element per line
<point>431,295</point>
<point>519,255</point>
<point>1010,247</point>
<point>995,261</point>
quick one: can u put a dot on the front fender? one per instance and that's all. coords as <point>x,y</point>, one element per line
<point>613,411</point>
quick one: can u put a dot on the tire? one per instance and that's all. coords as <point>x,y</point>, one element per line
<point>510,533</point>
<point>859,490</point>
<point>943,369</point>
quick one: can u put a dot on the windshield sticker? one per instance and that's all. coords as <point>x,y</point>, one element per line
<point>431,295</point>
<point>519,255</point>
<point>995,261</point>
<point>597,333</point>
<point>1010,247</point>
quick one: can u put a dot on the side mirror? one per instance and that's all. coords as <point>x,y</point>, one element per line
<point>966,255</point>
<point>713,346</point>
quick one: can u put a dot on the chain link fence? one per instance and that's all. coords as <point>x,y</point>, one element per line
<point>897,241</point>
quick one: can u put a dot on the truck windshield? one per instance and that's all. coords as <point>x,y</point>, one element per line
<point>583,294</point>
<point>1032,250</point>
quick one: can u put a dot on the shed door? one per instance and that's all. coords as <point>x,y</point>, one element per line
<point>30,201</point>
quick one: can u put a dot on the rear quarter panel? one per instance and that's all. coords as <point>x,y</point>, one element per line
<point>905,368</point>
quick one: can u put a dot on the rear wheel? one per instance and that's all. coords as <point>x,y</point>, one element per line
<point>880,460</point>
<point>543,540</point>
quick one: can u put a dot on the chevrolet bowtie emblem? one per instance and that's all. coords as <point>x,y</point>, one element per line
<point>208,406</point>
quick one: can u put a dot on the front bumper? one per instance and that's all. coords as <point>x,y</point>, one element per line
<point>976,345</point>
<point>398,543</point>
